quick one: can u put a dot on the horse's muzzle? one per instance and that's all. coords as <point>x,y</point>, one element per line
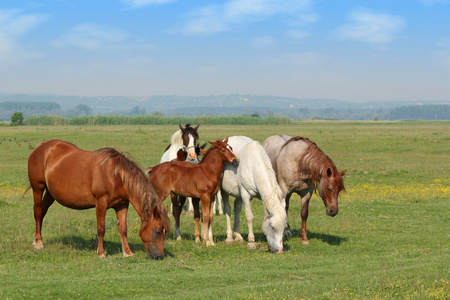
<point>155,257</point>
<point>235,162</point>
<point>332,212</point>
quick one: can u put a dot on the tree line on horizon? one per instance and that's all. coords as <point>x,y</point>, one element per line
<point>412,112</point>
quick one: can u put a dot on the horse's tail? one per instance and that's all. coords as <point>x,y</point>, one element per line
<point>26,191</point>
<point>148,170</point>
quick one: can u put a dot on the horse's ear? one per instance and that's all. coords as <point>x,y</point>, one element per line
<point>329,172</point>
<point>343,172</point>
<point>197,127</point>
<point>202,151</point>
<point>225,140</point>
<point>181,127</point>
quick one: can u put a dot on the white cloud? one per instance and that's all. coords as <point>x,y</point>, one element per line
<point>219,18</point>
<point>371,27</point>
<point>91,36</point>
<point>13,25</point>
<point>142,3</point>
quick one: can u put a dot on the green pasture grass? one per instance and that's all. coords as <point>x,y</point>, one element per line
<point>390,239</point>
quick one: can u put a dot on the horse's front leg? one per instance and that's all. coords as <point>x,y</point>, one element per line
<point>248,215</point>
<point>211,216</point>
<point>305,205</point>
<point>121,214</point>
<point>177,204</point>
<point>196,205</point>
<point>287,196</point>
<point>206,219</point>
<point>100,210</point>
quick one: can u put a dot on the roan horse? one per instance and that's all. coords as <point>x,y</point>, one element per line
<point>184,139</point>
<point>303,168</point>
<point>103,179</point>
<point>200,181</point>
<point>253,178</point>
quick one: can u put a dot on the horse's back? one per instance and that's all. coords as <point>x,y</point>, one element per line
<point>45,154</point>
<point>273,145</point>
<point>71,175</point>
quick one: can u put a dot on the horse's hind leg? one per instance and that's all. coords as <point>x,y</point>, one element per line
<point>40,210</point>
<point>100,210</point>
<point>121,214</point>
<point>227,208</point>
<point>237,222</point>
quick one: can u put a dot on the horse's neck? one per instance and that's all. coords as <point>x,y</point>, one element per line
<point>212,163</point>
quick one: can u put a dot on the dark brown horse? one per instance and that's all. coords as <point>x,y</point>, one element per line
<point>199,181</point>
<point>303,168</point>
<point>103,179</point>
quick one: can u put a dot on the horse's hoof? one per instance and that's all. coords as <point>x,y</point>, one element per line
<point>210,244</point>
<point>179,238</point>
<point>197,240</point>
<point>229,241</point>
<point>253,246</point>
<point>306,243</point>
<point>128,255</point>
<point>102,256</point>
<point>37,245</point>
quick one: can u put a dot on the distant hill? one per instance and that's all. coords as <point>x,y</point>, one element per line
<point>214,105</point>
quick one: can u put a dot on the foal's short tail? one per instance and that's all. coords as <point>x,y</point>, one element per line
<point>26,191</point>
<point>148,170</point>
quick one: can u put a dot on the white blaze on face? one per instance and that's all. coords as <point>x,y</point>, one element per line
<point>191,148</point>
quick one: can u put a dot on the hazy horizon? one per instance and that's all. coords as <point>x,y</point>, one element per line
<point>347,50</point>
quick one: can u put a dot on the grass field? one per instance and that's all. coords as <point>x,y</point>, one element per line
<point>390,239</point>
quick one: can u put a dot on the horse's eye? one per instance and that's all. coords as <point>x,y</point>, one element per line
<point>330,189</point>
<point>158,232</point>
<point>223,151</point>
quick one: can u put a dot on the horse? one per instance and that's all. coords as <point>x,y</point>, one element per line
<point>184,139</point>
<point>103,179</point>
<point>200,181</point>
<point>253,178</point>
<point>302,167</point>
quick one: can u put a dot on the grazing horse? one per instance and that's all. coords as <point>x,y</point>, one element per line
<point>103,179</point>
<point>303,168</point>
<point>184,139</point>
<point>200,181</point>
<point>253,178</point>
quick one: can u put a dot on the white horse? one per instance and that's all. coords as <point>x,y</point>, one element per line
<point>253,178</point>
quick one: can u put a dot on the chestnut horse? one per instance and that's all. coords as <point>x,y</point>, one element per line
<point>103,179</point>
<point>184,139</point>
<point>200,181</point>
<point>303,168</point>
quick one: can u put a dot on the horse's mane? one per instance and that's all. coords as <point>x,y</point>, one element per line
<point>176,140</point>
<point>314,162</point>
<point>272,200</point>
<point>137,184</point>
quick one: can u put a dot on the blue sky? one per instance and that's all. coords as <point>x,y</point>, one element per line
<point>347,50</point>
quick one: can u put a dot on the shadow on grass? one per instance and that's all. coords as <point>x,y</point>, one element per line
<point>111,248</point>
<point>332,240</point>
